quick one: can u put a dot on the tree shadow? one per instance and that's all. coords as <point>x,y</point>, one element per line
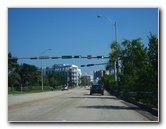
<point>110,107</point>
<point>95,96</point>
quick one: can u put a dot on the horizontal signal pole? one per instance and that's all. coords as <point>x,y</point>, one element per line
<point>60,57</point>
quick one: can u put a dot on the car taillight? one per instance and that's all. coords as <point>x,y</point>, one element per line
<point>102,89</point>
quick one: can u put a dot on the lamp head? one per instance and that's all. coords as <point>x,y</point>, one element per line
<point>99,16</point>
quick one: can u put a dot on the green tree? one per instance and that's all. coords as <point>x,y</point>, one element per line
<point>29,73</point>
<point>134,59</point>
<point>115,53</point>
<point>52,81</point>
<point>14,80</point>
<point>153,69</point>
<point>12,63</point>
<point>56,79</point>
<point>109,83</point>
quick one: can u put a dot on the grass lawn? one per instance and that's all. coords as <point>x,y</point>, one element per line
<point>27,92</point>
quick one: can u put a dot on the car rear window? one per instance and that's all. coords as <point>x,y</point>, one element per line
<point>96,86</point>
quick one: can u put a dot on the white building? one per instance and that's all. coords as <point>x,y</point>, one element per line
<point>71,72</point>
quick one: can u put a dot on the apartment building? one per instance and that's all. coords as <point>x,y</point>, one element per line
<point>71,72</point>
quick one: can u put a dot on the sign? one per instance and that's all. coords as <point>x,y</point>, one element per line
<point>89,56</point>
<point>112,50</point>
<point>66,57</point>
<point>43,57</point>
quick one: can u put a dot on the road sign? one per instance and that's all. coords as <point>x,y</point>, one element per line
<point>66,57</point>
<point>89,56</point>
<point>112,50</point>
<point>43,57</point>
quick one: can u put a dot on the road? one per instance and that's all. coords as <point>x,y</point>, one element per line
<point>75,105</point>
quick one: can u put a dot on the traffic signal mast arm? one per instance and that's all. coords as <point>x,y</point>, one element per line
<point>60,57</point>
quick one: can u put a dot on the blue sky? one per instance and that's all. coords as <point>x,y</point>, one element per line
<point>75,31</point>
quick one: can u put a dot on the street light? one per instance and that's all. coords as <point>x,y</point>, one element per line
<point>114,23</point>
<point>116,38</point>
<point>42,66</point>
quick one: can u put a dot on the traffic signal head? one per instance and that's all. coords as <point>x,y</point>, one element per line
<point>100,57</point>
<point>82,65</point>
<point>88,65</point>
<point>78,56</point>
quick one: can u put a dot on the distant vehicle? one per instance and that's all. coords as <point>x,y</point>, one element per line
<point>64,88</point>
<point>97,89</point>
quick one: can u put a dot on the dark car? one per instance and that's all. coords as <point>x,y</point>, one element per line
<point>97,89</point>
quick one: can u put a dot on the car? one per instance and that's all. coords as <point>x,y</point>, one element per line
<point>64,88</point>
<point>97,88</point>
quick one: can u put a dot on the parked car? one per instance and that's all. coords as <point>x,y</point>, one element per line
<point>64,88</point>
<point>97,89</point>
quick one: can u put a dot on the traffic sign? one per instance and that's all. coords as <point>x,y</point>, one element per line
<point>89,56</point>
<point>66,57</point>
<point>43,57</point>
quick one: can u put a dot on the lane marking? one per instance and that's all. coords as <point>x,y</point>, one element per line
<point>28,103</point>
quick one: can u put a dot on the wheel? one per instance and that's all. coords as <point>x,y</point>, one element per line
<point>90,93</point>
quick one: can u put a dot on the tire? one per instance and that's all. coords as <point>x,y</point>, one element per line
<point>90,93</point>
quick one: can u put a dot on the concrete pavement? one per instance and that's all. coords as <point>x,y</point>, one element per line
<point>75,105</point>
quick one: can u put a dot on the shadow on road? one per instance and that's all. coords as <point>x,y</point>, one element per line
<point>110,107</point>
<point>95,96</point>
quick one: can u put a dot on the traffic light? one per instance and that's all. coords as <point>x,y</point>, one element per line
<point>33,58</point>
<point>88,65</point>
<point>66,57</point>
<point>79,56</point>
<point>100,57</point>
<point>55,57</point>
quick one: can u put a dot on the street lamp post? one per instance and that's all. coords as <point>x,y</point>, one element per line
<point>116,39</point>
<point>42,67</point>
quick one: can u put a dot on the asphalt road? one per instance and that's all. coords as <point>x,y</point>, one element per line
<point>74,105</point>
